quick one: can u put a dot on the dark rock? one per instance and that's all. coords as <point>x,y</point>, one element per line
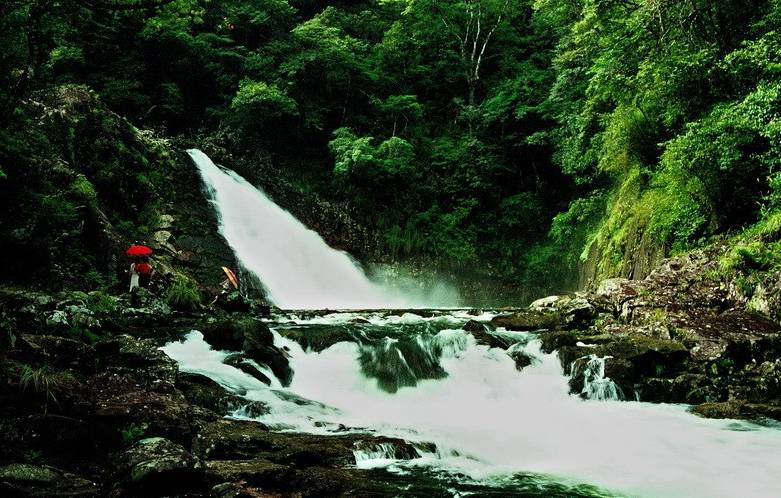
<point>237,334</point>
<point>254,338</point>
<point>231,439</point>
<point>491,340</point>
<point>202,391</point>
<point>569,354</point>
<point>121,401</point>
<point>61,438</point>
<point>244,440</point>
<point>157,466</point>
<point>522,360</point>
<point>570,311</point>
<point>56,351</point>
<point>400,363</point>
<point>275,359</point>
<point>475,326</point>
<point>317,337</point>
<point>238,361</point>
<point>621,371</point>
<point>649,357</point>
<point>139,357</point>
<point>727,409</point>
<point>528,321</point>
<point>553,341</point>
<point>19,479</point>
<point>255,472</point>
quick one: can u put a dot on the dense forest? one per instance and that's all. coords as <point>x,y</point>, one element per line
<point>523,138</point>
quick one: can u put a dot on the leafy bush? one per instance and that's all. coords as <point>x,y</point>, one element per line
<point>183,294</point>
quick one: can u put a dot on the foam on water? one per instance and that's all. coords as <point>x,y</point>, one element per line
<point>490,421</point>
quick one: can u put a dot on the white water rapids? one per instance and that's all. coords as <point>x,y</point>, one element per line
<point>490,421</point>
<point>297,268</point>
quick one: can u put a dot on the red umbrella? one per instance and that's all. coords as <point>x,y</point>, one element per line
<point>137,250</point>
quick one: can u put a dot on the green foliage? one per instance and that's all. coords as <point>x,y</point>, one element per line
<point>351,153</point>
<point>83,190</point>
<point>101,303</point>
<point>262,101</point>
<point>133,432</point>
<point>183,294</point>
<point>44,381</point>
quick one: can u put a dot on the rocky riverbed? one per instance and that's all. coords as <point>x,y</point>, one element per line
<point>90,406</point>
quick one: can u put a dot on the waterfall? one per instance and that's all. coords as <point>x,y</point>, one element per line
<point>296,266</point>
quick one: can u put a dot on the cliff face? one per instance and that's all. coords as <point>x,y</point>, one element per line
<point>84,184</point>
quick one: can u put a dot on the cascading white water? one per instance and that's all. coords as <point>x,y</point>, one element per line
<point>297,267</point>
<point>490,421</point>
<point>595,385</point>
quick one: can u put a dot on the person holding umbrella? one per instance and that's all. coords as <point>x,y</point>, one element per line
<point>230,281</point>
<point>140,269</point>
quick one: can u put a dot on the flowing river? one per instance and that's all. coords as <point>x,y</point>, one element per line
<point>481,426</point>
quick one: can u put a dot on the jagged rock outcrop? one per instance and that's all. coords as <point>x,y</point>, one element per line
<point>680,335</point>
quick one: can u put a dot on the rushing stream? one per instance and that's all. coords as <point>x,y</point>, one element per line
<point>481,426</point>
<point>492,424</point>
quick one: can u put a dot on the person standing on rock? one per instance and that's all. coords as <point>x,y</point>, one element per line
<point>140,269</point>
<point>228,285</point>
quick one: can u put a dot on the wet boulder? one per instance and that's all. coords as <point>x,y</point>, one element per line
<point>492,340</point>
<point>243,440</point>
<point>473,326</point>
<point>275,359</point>
<point>255,339</point>
<point>237,334</point>
<point>521,359</point>
<point>727,409</point>
<point>226,439</point>
<point>649,356</point>
<point>319,337</point>
<point>240,362</point>
<point>400,363</point>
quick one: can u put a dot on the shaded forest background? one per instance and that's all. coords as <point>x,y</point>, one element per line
<point>545,142</point>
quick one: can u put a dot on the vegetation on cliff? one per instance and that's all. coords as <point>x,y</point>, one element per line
<point>524,138</point>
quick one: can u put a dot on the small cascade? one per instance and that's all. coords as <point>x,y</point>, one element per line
<point>595,385</point>
<point>374,455</point>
